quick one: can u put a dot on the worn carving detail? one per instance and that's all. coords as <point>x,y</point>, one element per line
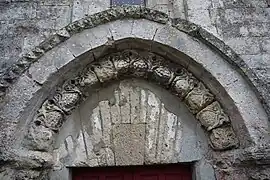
<point>27,175</point>
<point>130,63</point>
<point>40,137</point>
<point>163,75</point>
<point>223,138</point>
<point>105,70</point>
<point>183,83</point>
<point>121,63</point>
<point>68,97</point>
<point>88,78</point>
<point>139,67</point>
<point>212,116</point>
<point>198,98</point>
<point>50,116</point>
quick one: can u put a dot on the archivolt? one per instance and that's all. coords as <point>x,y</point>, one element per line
<point>134,12</point>
<point>129,63</point>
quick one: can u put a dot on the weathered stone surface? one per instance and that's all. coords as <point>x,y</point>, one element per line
<point>212,116</point>
<point>50,116</point>
<point>88,78</point>
<point>129,144</point>
<point>105,70</point>
<point>183,83</point>
<point>223,138</point>
<point>138,67</point>
<point>39,137</point>
<point>68,97</point>
<point>121,62</point>
<point>237,12</point>
<point>198,98</point>
<point>163,75</point>
<point>27,175</point>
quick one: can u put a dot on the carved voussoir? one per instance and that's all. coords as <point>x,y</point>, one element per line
<point>163,75</point>
<point>121,63</point>
<point>132,11</point>
<point>40,137</point>
<point>223,138</point>
<point>49,115</point>
<point>27,174</point>
<point>88,78</point>
<point>69,96</point>
<point>105,70</point>
<point>212,116</point>
<point>154,15</point>
<point>183,83</point>
<point>139,67</point>
<point>198,98</point>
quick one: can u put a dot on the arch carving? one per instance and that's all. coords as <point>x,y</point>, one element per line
<point>133,12</point>
<point>132,64</point>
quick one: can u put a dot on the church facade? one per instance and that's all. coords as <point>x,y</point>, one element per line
<point>135,84</point>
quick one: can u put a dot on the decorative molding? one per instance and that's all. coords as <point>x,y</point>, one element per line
<point>127,64</point>
<point>135,12</point>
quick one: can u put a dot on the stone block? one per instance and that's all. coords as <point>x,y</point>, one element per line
<point>50,116</point>
<point>257,61</point>
<point>223,138</point>
<point>59,16</point>
<point>204,170</point>
<point>105,70</point>
<point>54,2</point>
<point>212,116</point>
<point>152,3</point>
<point>183,83</point>
<point>239,15</point>
<point>121,29</point>
<point>228,4</point>
<point>198,4</point>
<point>129,142</point>
<point>163,75</point>
<point>80,43</point>
<point>266,45</point>
<point>39,137</point>
<point>198,98</point>
<point>178,9</point>
<point>88,78</point>
<point>245,45</point>
<point>259,29</point>
<point>147,32</point>
<point>202,18</point>
<point>81,8</point>
<point>19,10</point>
<point>49,63</point>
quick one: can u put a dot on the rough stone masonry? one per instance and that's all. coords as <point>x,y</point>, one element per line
<point>172,75</point>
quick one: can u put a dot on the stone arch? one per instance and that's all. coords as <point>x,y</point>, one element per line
<point>183,84</point>
<point>157,37</point>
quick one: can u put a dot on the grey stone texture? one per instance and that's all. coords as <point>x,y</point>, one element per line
<point>127,128</point>
<point>242,24</point>
<point>140,65</point>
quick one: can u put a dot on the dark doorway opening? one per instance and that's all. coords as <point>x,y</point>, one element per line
<point>156,172</point>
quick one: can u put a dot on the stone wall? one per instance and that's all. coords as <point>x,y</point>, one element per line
<point>242,24</point>
<point>129,123</point>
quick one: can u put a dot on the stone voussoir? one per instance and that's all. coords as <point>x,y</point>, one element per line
<point>198,98</point>
<point>212,116</point>
<point>223,138</point>
<point>183,83</point>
